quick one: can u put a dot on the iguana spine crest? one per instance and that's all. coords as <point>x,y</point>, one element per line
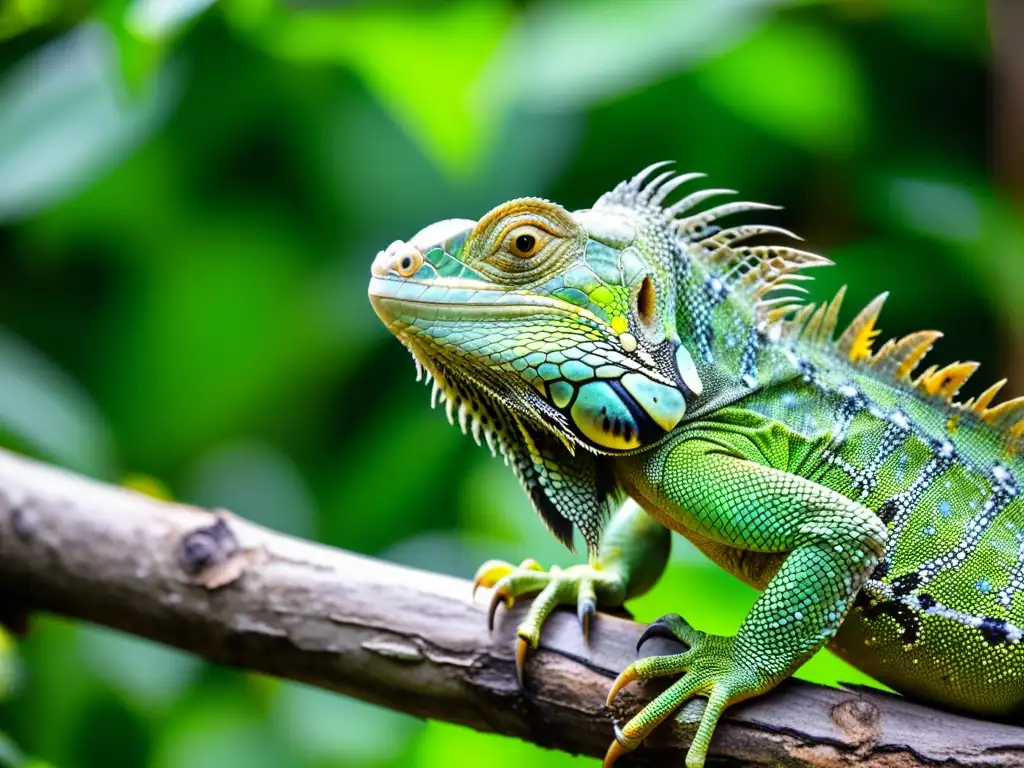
<point>766,277</point>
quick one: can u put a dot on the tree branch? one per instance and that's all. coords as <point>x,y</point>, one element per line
<point>244,596</point>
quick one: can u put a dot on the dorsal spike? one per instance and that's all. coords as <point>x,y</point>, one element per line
<point>880,354</point>
<point>857,339</point>
<point>813,327</point>
<point>985,399</point>
<point>769,264</point>
<point>651,188</point>
<point>781,284</point>
<point>637,182</point>
<point>928,373</point>
<point>692,227</point>
<point>828,324</point>
<point>946,382</point>
<point>796,326</point>
<point>1006,415</point>
<point>719,242</point>
<point>900,357</point>
<point>694,199</point>
<point>672,185</point>
<point>774,314</point>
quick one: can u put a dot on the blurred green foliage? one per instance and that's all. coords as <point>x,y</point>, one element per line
<point>190,197</point>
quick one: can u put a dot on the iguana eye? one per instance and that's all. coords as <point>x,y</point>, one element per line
<point>525,241</point>
<point>525,245</point>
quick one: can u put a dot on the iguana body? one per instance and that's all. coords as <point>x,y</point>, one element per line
<point>636,348</point>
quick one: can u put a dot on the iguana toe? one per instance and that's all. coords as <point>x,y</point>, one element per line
<point>578,586</point>
<point>709,668</point>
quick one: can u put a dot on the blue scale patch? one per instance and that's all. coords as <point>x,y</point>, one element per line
<point>602,417</point>
<point>665,405</point>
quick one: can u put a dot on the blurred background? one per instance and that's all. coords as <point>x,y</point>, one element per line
<point>191,193</point>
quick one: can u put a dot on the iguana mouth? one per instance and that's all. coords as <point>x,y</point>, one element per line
<point>467,300</point>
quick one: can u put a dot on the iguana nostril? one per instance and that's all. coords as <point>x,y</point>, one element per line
<point>399,257</point>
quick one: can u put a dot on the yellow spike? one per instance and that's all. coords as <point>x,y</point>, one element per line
<point>857,339</point>
<point>1006,414</point>
<point>948,381</point>
<point>986,397</point>
<point>828,325</point>
<point>919,345</point>
<point>1017,430</point>
<point>902,356</point>
<point>929,372</point>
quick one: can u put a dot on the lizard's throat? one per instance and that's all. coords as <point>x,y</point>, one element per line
<point>482,402</point>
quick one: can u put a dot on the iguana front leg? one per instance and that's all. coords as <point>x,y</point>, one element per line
<point>833,543</point>
<point>633,553</point>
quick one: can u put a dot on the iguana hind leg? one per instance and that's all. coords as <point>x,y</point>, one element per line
<point>633,553</point>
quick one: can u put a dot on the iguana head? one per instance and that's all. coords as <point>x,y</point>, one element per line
<point>566,320</point>
<point>548,331</point>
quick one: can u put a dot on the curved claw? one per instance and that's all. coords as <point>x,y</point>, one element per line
<point>522,647</point>
<point>626,676</point>
<point>585,609</point>
<point>674,627</point>
<point>658,628</point>
<point>499,596</point>
<point>615,749</point>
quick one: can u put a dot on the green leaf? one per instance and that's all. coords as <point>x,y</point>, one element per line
<point>570,55</point>
<point>453,746</point>
<point>150,675</point>
<point>219,331</point>
<point>933,207</point>
<point>50,412</point>
<point>960,26</point>
<point>155,19</point>
<point>796,82</point>
<point>10,755</point>
<point>8,665</point>
<point>65,119</point>
<point>218,729</point>
<point>330,728</point>
<point>413,500</point>
<point>257,481</point>
<point>404,54</point>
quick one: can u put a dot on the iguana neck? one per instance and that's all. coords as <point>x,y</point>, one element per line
<point>729,343</point>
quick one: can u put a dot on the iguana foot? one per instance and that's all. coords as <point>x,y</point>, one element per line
<point>577,585</point>
<point>709,667</point>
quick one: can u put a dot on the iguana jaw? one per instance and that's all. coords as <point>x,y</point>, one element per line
<point>405,301</point>
<point>478,392</point>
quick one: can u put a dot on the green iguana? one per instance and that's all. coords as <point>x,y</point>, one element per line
<point>638,349</point>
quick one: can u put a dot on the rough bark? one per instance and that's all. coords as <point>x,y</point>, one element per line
<point>244,596</point>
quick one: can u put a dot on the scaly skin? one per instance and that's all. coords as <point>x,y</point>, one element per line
<point>638,350</point>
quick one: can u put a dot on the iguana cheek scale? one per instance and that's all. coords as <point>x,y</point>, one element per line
<point>638,349</point>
